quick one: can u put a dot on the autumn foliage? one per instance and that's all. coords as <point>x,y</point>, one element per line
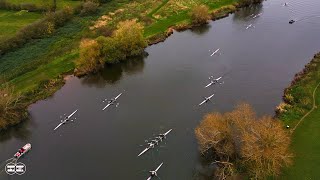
<point>12,109</point>
<point>200,14</point>
<point>90,59</point>
<point>242,142</point>
<point>126,41</point>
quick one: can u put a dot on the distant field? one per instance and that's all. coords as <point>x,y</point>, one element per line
<point>12,21</point>
<point>60,3</point>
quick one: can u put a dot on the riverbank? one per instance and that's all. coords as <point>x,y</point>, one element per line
<point>302,114</point>
<point>33,67</point>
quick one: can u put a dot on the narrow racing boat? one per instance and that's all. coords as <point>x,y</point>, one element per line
<point>22,151</point>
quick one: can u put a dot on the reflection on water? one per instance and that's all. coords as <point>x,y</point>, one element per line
<point>19,131</point>
<point>243,15</point>
<point>201,30</point>
<point>112,73</point>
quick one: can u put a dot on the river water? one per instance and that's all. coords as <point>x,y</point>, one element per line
<point>161,91</point>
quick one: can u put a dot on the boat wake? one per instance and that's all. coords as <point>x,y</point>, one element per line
<point>3,164</point>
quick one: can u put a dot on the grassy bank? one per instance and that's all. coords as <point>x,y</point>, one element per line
<point>39,61</point>
<point>60,3</point>
<point>302,113</point>
<point>12,21</point>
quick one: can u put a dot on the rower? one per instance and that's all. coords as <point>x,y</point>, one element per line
<point>159,137</point>
<point>151,145</point>
<point>155,142</point>
<point>153,173</point>
<point>292,21</point>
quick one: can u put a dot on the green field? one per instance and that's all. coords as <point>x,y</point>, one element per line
<point>12,21</point>
<point>304,118</point>
<point>60,3</point>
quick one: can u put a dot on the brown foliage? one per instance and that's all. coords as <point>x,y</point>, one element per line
<point>89,7</point>
<point>90,57</point>
<point>200,14</point>
<point>129,35</point>
<point>264,148</point>
<point>240,139</point>
<point>12,110</point>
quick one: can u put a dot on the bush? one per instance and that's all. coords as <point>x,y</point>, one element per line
<point>241,141</point>
<point>129,35</point>
<point>12,110</point>
<point>90,58</point>
<point>111,50</point>
<point>4,4</point>
<point>89,7</point>
<point>36,30</point>
<point>200,14</point>
<point>126,41</point>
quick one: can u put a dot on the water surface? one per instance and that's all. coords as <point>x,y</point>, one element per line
<point>162,91</point>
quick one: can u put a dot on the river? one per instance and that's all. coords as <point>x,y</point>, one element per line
<point>161,91</point>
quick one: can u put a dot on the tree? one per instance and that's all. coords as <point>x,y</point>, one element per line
<point>126,41</point>
<point>200,14</point>
<point>12,109</point>
<point>239,140</point>
<point>90,57</point>
<point>129,35</point>
<point>89,7</point>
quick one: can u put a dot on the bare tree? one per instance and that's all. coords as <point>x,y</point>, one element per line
<point>240,139</point>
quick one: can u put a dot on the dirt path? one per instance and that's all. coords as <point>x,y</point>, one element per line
<point>313,108</point>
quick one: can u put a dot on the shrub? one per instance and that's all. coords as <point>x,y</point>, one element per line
<point>200,14</point>
<point>288,98</point>
<point>90,58</point>
<point>89,7</point>
<point>129,35</point>
<point>126,41</point>
<point>4,4</point>
<point>282,107</point>
<point>111,50</point>
<point>38,29</point>
<point>105,31</point>
<point>12,110</point>
<point>241,141</point>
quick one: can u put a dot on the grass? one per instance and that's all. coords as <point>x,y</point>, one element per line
<point>30,80</point>
<point>157,8</point>
<point>12,21</point>
<point>60,3</point>
<point>305,137</point>
<point>163,24</point>
<point>306,146</point>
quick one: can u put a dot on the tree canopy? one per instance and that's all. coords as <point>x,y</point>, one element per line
<point>240,141</point>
